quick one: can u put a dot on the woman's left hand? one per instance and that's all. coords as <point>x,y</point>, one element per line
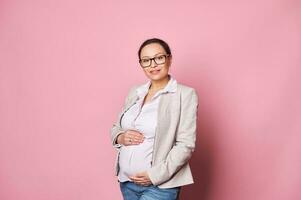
<point>141,179</point>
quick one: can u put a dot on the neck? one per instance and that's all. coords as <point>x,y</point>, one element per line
<point>159,84</point>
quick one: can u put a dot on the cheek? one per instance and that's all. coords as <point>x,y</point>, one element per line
<point>146,72</point>
<point>165,68</point>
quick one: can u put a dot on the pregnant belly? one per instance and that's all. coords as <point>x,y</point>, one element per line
<point>136,158</point>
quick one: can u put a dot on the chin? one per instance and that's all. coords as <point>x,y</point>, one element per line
<point>156,77</point>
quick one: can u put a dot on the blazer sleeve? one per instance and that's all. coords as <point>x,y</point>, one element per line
<point>184,143</point>
<point>116,129</point>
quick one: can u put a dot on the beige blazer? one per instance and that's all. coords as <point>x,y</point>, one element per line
<point>175,136</point>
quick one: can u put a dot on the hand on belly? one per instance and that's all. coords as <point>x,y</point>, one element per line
<point>135,159</point>
<point>141,178</point>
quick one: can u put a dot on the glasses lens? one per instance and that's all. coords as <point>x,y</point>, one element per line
<point>160,59</point>
<point>145,62</point>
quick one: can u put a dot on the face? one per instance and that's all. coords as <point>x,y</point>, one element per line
<point>155,71</point>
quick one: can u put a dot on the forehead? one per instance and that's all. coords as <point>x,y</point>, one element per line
<point>151,50</point>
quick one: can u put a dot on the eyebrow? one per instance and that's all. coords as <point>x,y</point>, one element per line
<point>153,56</point>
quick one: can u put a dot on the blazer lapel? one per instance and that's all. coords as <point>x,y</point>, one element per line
<point>163,117</point>
<point>131,102</point>
<point>127,106</point>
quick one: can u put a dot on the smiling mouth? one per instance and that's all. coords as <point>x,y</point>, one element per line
<point>155,71</point>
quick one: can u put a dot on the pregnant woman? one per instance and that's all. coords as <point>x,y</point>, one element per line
<point>155,132</point>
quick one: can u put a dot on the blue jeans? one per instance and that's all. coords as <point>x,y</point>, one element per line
<point>132,191</point>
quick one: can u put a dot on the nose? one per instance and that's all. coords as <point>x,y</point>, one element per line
<point>153,63</point>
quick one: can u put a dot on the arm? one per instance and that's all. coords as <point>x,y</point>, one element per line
<point>184,144</point>
<point>116,130</point>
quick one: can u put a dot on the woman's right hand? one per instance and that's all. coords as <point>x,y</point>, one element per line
<point>130,137</point>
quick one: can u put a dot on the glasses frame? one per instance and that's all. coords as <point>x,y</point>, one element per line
<point>153,59</point>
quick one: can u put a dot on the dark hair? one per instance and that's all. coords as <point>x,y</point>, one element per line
<point>155,40</point>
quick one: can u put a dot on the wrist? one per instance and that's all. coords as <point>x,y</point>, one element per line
<point>119,138</point>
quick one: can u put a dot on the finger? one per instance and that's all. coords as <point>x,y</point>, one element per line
<point>135,135</point>
<point>135,139</point>
<point>138,179</point>
<point>141,182</point>
<point>127,142</point>
<point>138,137</point>
<point>133,132</point>
<point>133,178</point>
<point>139,175</point>
<point>132,141</point>
<point>144,183</point>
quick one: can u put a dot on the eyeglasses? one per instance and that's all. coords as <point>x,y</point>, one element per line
<point>160,59</point>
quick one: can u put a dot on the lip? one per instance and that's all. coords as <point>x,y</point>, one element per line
<point>155,71</point>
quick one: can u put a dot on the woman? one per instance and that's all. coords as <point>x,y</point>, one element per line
<point>156,130</point>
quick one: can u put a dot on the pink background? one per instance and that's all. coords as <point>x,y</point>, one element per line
<point>66,67</point>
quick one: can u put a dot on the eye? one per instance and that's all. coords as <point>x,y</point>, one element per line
<point>160,57</point>
<point>144,60</point>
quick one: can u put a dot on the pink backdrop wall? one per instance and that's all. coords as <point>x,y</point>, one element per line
<point>66,66</point>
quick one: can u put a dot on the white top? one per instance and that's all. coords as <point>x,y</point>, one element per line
<point>137,158</point>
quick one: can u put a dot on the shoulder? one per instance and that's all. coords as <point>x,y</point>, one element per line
<point>133,90</point>
<point>188,96</point>
<point>184,87</point>
<point>186,90</point>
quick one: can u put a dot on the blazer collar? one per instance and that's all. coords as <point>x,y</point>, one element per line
<point>171,87</point>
